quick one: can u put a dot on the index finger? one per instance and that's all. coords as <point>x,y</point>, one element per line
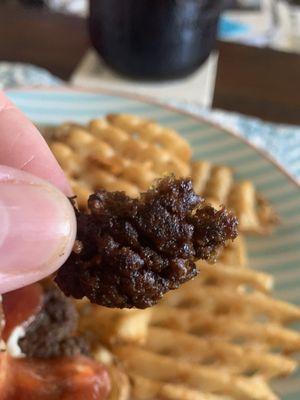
<point>24,148</point>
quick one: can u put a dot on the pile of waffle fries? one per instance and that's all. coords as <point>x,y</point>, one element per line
<point>221,336</point>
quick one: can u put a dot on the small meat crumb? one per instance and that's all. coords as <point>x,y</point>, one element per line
<point>130,252</point>
<point>53,331</point>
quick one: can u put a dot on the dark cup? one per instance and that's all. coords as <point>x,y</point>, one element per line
<point>154,39</point>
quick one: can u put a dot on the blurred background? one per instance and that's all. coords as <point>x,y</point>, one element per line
<point>236,55</point>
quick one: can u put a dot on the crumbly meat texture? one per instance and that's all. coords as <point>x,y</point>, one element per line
<point>53,331</point>
<point>130,252</point>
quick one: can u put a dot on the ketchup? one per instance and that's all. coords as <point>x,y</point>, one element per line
<point>68,378</point>
<point>63,378</point>
<point>20,306</point>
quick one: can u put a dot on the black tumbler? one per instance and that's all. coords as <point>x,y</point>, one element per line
<point>154,39</point>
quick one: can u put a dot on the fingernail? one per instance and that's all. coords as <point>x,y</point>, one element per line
<point>37,229</point>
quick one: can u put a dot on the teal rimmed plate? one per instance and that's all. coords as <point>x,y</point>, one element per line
<point>278,254</point>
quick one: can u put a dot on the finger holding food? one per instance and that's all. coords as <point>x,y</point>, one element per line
<point>37,229</point>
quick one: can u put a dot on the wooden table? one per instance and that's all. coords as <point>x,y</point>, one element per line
<point>260,82</point>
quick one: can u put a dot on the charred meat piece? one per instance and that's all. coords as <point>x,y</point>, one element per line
<point>53,330</point>
<point>129,252</point>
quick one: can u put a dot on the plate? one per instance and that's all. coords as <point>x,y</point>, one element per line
<point>278,254</point>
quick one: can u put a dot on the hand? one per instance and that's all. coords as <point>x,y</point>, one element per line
<point>37,222</point>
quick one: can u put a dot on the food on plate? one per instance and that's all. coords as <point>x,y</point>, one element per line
<point>217,185</point>
<point>127,153</point>
<point>221,336</point>
<point>40,357</point>
<point>130,252</point>
<point>112,325</point>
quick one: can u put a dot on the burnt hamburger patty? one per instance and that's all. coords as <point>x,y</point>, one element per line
<point>129,252</point>
<point>52,333</point>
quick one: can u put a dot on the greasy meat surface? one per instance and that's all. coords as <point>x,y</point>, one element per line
<point>129,252</point>
<point>53,331</point>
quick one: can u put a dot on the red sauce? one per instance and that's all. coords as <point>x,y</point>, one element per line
<point>20,306</point>
<point>3,375</point>
<point>70,378</point>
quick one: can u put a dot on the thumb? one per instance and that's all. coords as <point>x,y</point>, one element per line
<point>37,228</point>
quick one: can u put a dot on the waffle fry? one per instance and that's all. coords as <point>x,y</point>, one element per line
<point>202,378</point>
<point>120,386</point>
<point>217,185</point>
<point>229,275</point>
<point>199,322</point>
<point>152,133</point>
<point>207,354</point>
<point>217,353</point>
<point>117,158</point>
<point>109,326</point>
<point>218,299</point>
<point>235,253</point>
<point>220,336</point>
<point>148,389</point>
<point>127,153</point>
<point>223,322</point>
